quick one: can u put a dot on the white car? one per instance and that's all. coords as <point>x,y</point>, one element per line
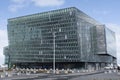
<point>108,67</point>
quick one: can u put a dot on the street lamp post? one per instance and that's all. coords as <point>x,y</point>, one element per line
<point>54,52</point>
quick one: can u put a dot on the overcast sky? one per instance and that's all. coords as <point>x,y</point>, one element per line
<point>105,11</point>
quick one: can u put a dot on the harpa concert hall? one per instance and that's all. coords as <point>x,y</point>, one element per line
<point>67,35</point>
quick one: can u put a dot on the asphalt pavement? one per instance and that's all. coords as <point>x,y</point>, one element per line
<point>98,75</point>
<point>101,76</point>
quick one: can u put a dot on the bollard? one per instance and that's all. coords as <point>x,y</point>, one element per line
<point>83,70</point>
<point>2,76</point>
<point>57,72</point>
<point>9,75</point>
<point>48,71</point>
<point>73,71</point>
<point>114,71</point>
<point>105,72</point>
<point>27,73</point>
<point>34,72</point>
<point>109,71</point>
<point>18,73</point>
<point>78,71</point>
<point>62,69</point>
<point>51,69</point>
<point>66,72</point>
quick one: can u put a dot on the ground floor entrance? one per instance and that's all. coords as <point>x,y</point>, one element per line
<point>62,65</point>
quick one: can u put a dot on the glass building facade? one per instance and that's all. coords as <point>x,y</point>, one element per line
<point>80,41</point>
